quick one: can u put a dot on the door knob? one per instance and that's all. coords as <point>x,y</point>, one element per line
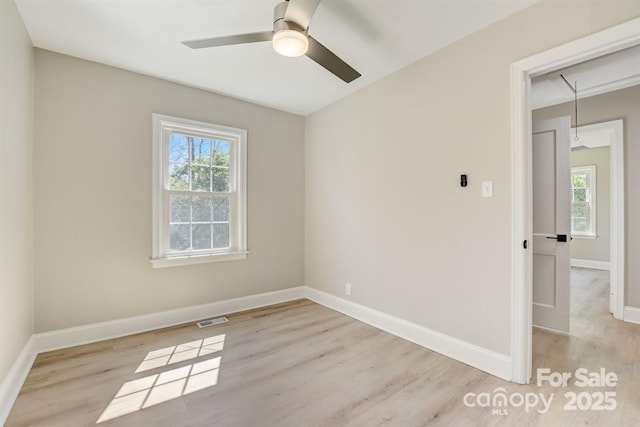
<point>559,237</point>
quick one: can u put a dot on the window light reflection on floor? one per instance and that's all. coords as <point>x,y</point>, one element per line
<point>154,389</point>
<point>180,353</point>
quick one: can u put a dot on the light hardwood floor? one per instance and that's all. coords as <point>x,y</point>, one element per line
<point>301,364</point>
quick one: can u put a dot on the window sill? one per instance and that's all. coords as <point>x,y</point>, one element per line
<point>197,259</point>
<point>584,236</point>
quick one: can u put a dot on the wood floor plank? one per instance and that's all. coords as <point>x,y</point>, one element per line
<point>301,364</point>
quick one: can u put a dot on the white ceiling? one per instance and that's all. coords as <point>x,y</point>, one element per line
<point>600,75</point>
<point>376,37</point>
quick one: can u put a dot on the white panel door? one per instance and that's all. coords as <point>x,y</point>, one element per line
<point>551,224</point>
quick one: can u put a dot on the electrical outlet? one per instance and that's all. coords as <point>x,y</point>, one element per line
<point>347,289</point>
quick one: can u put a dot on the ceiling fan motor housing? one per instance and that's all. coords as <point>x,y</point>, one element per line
<point>280,24</point>
<point>289,38</point>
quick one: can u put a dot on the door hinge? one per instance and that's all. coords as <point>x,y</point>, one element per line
<point>524,244</point>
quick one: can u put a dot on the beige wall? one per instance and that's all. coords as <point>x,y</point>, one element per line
<point>596,249</point>
<point>16,186</point>
<point>93,196</point>
<point>384,209</point>
<point>623,104</point>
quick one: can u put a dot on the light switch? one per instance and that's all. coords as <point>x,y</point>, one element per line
<point>487,188</point>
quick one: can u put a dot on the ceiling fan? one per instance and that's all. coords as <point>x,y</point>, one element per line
<point>290,37</point>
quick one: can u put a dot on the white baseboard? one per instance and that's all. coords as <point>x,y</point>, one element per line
<point>553,331</point>
<point>586,263</point>
<point>95,332</point>
<point>478,357</point>
<point>631,314</point>
<point>473,355</point>
<point>11,385</point>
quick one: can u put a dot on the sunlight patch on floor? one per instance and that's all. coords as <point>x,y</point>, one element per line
<point>155,389</point>
<point>180,353</point>
<point>159,388</point>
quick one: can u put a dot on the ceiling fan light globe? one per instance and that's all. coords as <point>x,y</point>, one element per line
<point>290,43</point>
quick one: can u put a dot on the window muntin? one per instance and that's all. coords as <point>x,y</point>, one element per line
<point>583,201</point>
<point>201,199</point>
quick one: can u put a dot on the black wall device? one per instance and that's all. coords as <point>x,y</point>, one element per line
<point>463,180</point>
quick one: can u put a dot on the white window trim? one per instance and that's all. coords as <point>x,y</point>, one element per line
<point>590,170</point>
<point>159,183</point>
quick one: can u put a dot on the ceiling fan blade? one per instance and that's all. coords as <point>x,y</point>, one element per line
<point>301,11</point>
<point>330,61</point>
<point>230,40</point>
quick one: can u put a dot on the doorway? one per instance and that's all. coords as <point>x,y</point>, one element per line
<point>612,40</point>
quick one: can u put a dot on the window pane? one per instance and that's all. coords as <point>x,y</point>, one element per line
<point>580,195</point>
<point>201,209</point>
<point>579,225</point>
<point>178,162</point>
<point>579,180</point>
<point>178,149</point>
<point>202,236</point>
<point>221,209</point>
<point>220,171</point>
<point>221,153</point>
<point>220,179</point>
<point>220,235</point>
<point>179,208</point>
<point>200,178</point>
<point>179,237</point>
<point>179,177</point>
<point>201,151</point>
<point>579,210</point>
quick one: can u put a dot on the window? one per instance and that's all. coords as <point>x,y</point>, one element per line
<point>199,192</point>
<point>583,201</point>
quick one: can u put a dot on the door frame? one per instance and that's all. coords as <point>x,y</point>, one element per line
<point>595,45</point>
